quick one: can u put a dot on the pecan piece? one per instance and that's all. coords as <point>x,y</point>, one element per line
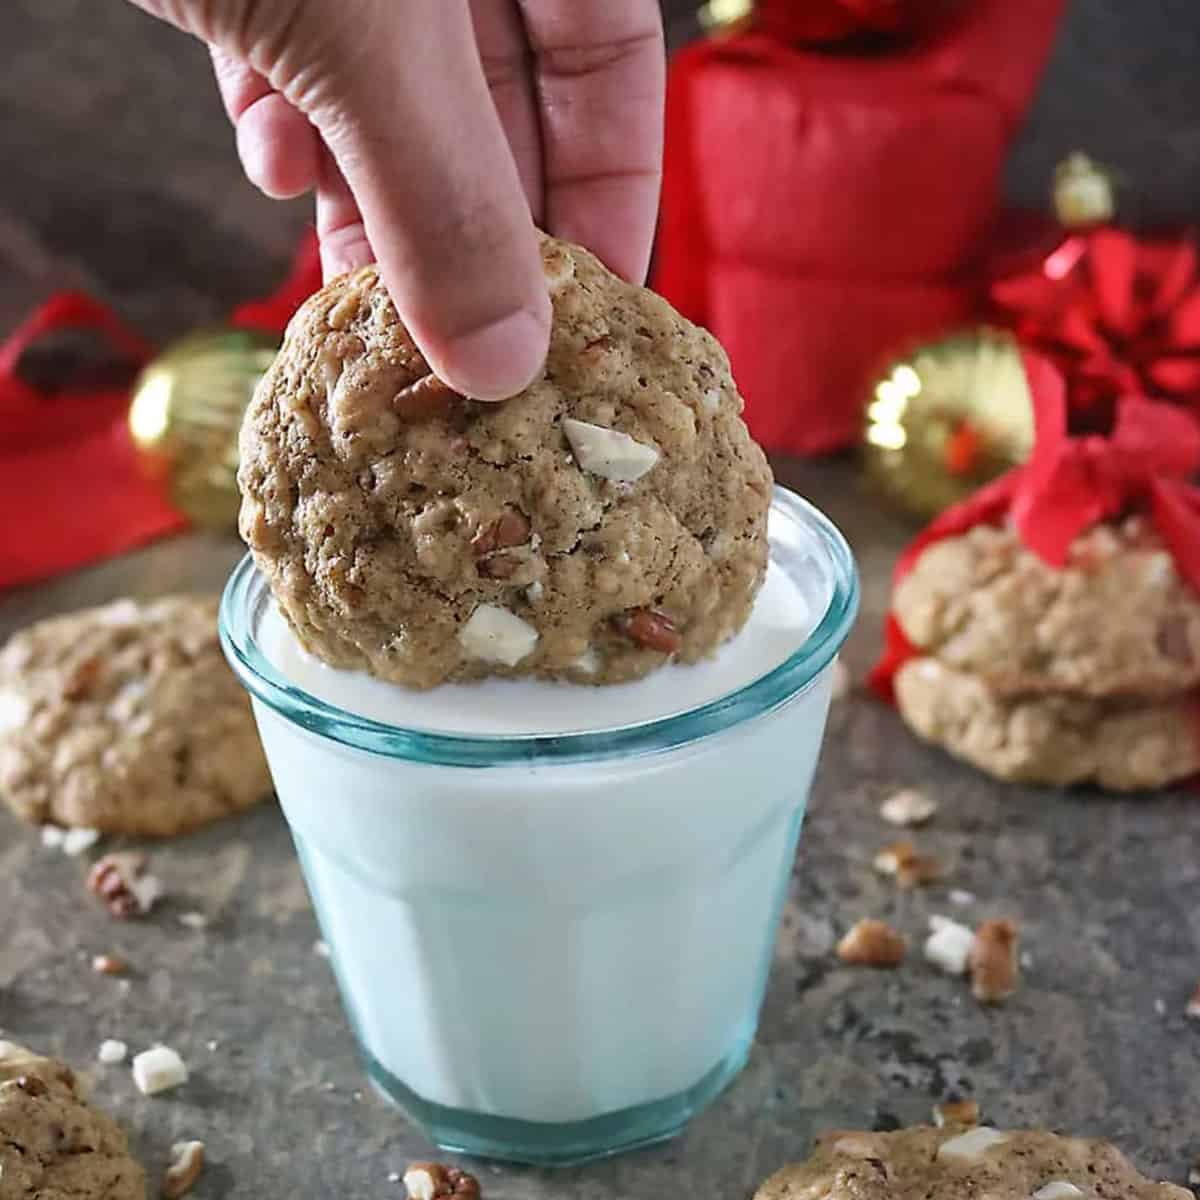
<point>498,566</point>
<point>424,397</point>
<point>432,1181</point>
<point>650,629</point>
<point>872,944</point>
<point>510,528</point>
<point>31,1085</point>
<point>116,880</point>
<point>81,680</point>
<point>992,961</point>
<point>956,1112</point>
<point>181,1175</point>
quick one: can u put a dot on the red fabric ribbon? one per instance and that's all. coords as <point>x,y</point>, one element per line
<point>1071,483</point>
<point>1118,314</point>
<point>71,485</point>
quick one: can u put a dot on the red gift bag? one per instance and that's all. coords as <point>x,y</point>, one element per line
<point>824,208</point>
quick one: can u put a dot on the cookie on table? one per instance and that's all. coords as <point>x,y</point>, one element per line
<point>923,1163</point>
<point>53,1143</point>
<point>611,517</point>
<point>1117,620</point>
<point>127,719</point>
<point>1120,744</point>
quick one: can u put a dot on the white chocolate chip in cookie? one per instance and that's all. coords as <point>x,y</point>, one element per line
<point>15,710</point>
<point>495,635</point>
<point>608,452</point>
<point>972,1145</point>
<point>1057,1189</point>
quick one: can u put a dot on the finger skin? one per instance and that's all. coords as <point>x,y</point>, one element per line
<point>601,80</point>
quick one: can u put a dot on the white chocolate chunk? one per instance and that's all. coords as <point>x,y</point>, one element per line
<point>972,1145</point>
<point>607,452</point>
<point>711,400</point>
<point>1057,1189</point>
<point>158,1070</point>
<point>420,1183</point>
<point>76,841</point>
<point>908,807</point>
<point>949,945</point>
<point>15,710</point>
<point>495,635</point>
<point>111,1051</point>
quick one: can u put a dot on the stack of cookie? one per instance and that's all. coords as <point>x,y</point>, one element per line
<point>1088,672</point>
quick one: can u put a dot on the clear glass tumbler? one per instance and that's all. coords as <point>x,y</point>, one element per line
<point>554,948</point>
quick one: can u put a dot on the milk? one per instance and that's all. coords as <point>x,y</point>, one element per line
<point>566,952</point>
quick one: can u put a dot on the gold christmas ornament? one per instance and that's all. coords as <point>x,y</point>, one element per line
<point>722,16</point>
<point>1083,192</point>
<point>185,414</point>
<point>947,419</point>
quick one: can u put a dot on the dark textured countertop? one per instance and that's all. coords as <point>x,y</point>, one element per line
<point>120,178</point>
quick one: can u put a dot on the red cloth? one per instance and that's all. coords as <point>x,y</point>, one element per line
<point>71,488</point>
<point>849,173</point>
<point>1116,312</point>
<point>1071,483</point>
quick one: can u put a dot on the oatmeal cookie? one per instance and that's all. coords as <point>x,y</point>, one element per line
<point>609,518</point>
<point>1116,621</point>
<point>126,719</point>
<point>53,1144</point>
<point>923,1163</point>
<point>1119,744</point>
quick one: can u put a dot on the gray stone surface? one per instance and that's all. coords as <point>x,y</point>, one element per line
<point>1106,892</point>
<point>120,178</point>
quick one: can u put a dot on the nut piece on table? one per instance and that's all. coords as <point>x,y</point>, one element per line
<point>495,635</point>
<point>117,880</point>
<point>993,961</point>
<point>908,807</point>
<point>909,868</point>
<point>956,1112</point>
<point>185,1168</point>
<point>432,1181</point>
<point>871,943</point>
<point>1193,1005</point>
<point>109,964</point>
<point>607,452</point>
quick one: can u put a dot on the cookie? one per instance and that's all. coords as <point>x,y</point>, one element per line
<point>52,1142</point>
<point>609,518</point>
<point>1057,740</point>
<point>923,1163</point>
<point>1116,621</point>
<point>126,719</point>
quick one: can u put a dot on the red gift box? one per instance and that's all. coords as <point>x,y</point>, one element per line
<point>858,187</point>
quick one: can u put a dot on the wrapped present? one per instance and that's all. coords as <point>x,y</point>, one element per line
<point>824,206</point>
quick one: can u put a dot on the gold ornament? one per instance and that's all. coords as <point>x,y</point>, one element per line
<point>725,16</point>
<point>185,414</point>
<point>1083,192</point>
<point>947,419</point>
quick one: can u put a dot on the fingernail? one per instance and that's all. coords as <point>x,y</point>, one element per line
<point>497,360</point>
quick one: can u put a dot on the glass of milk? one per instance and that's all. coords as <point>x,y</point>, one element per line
<point>552,908</point>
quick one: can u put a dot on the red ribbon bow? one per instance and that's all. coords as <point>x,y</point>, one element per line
<point>1117,314</point>
<point>1072,483</point>
<point>813,22</point>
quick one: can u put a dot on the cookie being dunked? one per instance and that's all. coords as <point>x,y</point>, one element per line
<point>608,519</point>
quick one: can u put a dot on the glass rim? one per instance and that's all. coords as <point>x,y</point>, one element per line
<point>246,593</point>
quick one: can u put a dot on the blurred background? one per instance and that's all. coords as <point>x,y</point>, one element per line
<point>121,177</point>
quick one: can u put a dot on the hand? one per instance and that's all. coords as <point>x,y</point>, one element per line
<point>435,133</point>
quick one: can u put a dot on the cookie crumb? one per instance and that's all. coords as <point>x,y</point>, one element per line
<point>117,881</point>
<point>193,920</point>
<point>948,946</point>
<point>993,961</point>
<point>111,1051</point>
<point>908,807</point>
<point>960,897</point>
<point>956,1112</point>
<point>872,943</point>
<point>158,1070</point>
<point>187,1163</point>
<point>1160,1006</point>
<point>321,949</point>
<point>393,1177</point>
<point>1057,1189</point>
<point>909,868</point>
<point>109,964</point>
